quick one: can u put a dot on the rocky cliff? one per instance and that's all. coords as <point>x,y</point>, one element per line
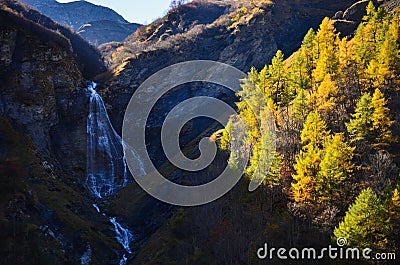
<point>45,214</point>
<point>347,21</point>
<point>76,13</point>
<point>97,24</point>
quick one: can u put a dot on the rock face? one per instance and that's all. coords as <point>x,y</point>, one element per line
<point>391,5</point>
<point>347,21</point>
<point>75,13</point>
<point>97,24</point>
<point>356,12</point>
<point>39,77</point>
<point>43,73</point>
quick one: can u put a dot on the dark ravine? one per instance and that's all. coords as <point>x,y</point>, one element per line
<point>88,59</point>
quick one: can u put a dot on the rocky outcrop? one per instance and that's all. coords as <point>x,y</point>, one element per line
<point>42,88</point>
<point>345,27</point>
<point>347,21</point>
<point>391,5</point>
<point>97,24</point>
<point>356,12</point>
<point>38,77</point>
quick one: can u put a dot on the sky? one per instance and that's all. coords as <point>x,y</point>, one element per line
<point>139,11</point>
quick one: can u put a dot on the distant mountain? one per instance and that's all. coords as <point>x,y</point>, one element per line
<point>104,31</point>
<point>97,24</point>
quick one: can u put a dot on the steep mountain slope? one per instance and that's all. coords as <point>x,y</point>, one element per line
<point>87,56</point>
<point>45,214</point>
<point>104,31</point>
<point>240,33</point>
<point>227,230</point>
<point>95,23</point>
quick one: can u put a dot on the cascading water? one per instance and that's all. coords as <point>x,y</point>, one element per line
<point>123,260</point>
<point>106,166</point>
<point>123,235</point>
<point>87,256</point>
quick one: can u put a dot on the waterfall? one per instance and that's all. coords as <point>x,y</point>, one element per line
<point>96,207</point>
<point>123,260</point>
<point>106,166</point>
<point>87,256</point>
<point>123,235</point>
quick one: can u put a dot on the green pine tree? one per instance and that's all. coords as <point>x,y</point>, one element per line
<point>364,224</point>
<point>300,107</point>
<point>360,125</point>
<point>382,70</point>
<point>273,177</point>
<point>265,163</point>
<point>335,167</point>
<point>300,71</point>
<point>313,136</point>
<point>277,81</point>
<point>250,107</point>
<point>394,214</point>
<point>366,37</point>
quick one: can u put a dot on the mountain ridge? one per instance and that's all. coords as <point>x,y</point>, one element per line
<point>87,19</point>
